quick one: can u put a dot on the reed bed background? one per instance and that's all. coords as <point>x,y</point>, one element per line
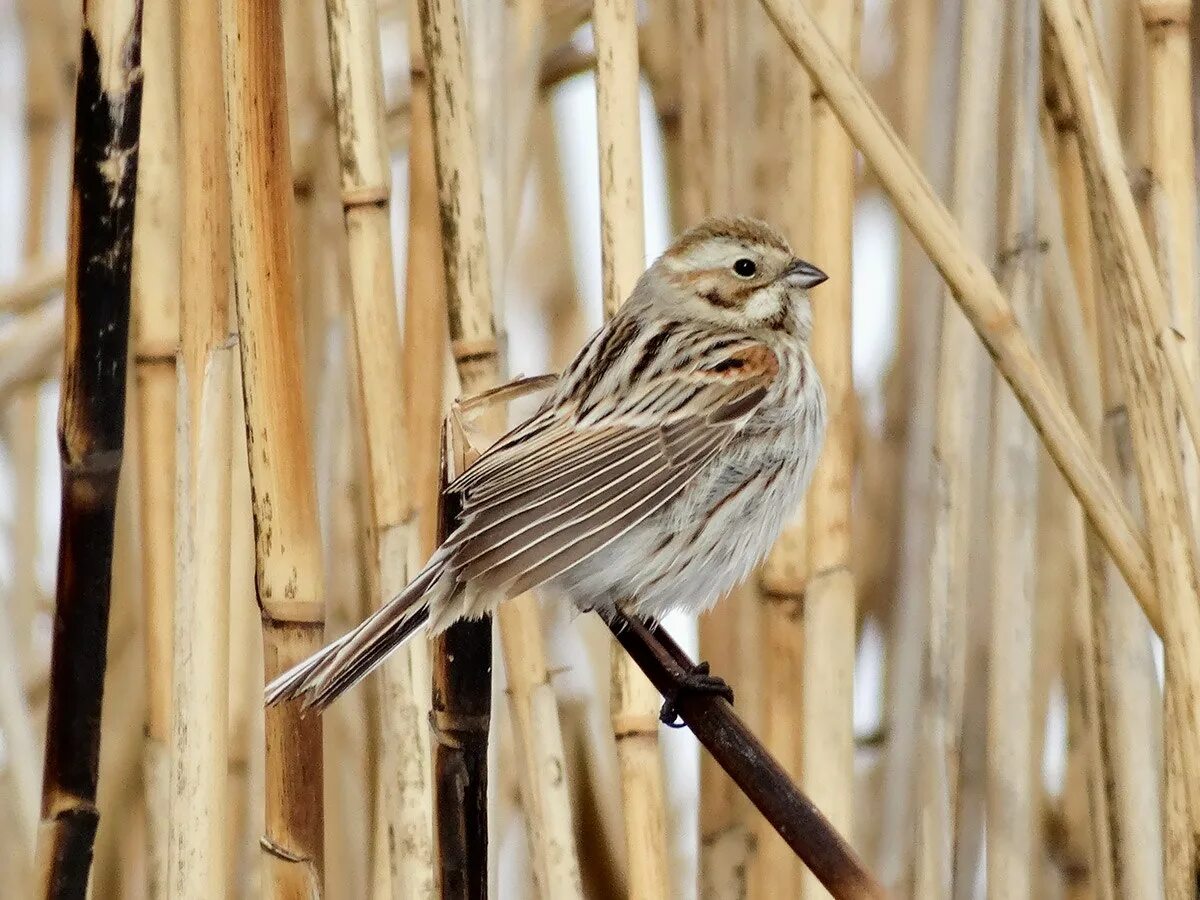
<point>255,250</point>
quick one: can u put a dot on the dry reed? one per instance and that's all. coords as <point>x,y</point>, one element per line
<point>287,540</point>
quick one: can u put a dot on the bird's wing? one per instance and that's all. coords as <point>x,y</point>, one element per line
<point>588,468</point>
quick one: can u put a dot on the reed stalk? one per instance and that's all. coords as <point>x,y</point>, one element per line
<point>156,315</point>
<point>959,369</point>
<point>39,281</point>
<point>91,433</point>
<point>633,703</point>
<point>366,180</point>
<point>976,291</point>
<point>200,803</point>
<point>827,707</point>
<point>1013,508</point>
<point>784,574</point>
<point>287,537</point>
<point>1136,296</point>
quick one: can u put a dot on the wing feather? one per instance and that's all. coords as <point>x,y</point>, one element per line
<point>593,463</point>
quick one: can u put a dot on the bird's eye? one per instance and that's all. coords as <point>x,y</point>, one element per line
<point>745,268</point>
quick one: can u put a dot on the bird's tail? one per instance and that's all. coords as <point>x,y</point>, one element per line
<point>328,673</point>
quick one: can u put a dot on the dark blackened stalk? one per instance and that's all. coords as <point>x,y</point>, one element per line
<point>743,757</point>
<point>91,432</point>
<point>462,711</point>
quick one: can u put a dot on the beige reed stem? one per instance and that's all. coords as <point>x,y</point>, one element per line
<point>156,300</point>
<point>40,280</point>
<point>958,368</point>
<point>977,293</point>
<point>827,707</point>
<point>469,304</point>
<point>1011,787</point>
<point>1135,296</point>
<point>198,849</point>
<point>287,538</point>
<point>634,702</point>
<point>784,575</point>
<point>366,180</point>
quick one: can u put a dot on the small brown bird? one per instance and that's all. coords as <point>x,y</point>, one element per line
<point>657,474</point>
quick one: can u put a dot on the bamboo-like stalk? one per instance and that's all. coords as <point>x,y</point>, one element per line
<point>41,278</point>
<point>827,708</point>
<point>1010,763</point>
<point>200,809</point>
<point>287,537</point>
<point>366,180</point>
<point>633,704</point>
<point>977,293</point>
<point>91,433</point>
<point>957,388</point>
<point>784,574</point>
<point>1135,295</point>
<point>473,336</point>
<point>1073,333</point>
<point>156,314</point>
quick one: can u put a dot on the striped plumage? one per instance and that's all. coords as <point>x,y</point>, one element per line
<point>656,475</point>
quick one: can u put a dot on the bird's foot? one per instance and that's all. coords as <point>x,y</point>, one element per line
<point>698,679</point>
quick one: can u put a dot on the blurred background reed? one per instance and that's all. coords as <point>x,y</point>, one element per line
<point>977,648</point>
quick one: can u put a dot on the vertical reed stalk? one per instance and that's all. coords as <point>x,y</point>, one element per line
<point>156,282</point>
<point>287,538</point>
<point>1011,787</point>
<point>976,292</point>
<point>974,202</point>
<point>633,701</point>
<point>366,181</point>
<point>462,655</point>
<point>91,432</point>
<point>827,732</point>
<point>198,848</point>
<point>784,575</point>
<point>1135,296</point>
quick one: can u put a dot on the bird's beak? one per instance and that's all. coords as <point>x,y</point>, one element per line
<point>803,274</point>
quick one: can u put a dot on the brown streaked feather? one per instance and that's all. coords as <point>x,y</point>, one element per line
<point>735,228</point>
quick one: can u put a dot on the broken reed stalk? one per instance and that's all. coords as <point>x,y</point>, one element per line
<point>633,704</point>
<point>745,760</point>
<point>474,345</point>
<point>1011,789</point>
<point>784,574</point>
<point>366,181</point>
<point>287,537</point>
<point>156,301</point>
<point>461,717</point>
<point>827,708</point>
<point>1135,296</point>
<point>959,368</point>
<point>975,290</point>
<point>91,432</point>
<point>200,808</point>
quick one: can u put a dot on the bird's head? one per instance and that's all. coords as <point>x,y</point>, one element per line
<point>740,273</point>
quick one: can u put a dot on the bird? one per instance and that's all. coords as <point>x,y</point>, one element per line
<point>657,473</point>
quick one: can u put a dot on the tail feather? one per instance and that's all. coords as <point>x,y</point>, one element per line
<point>328,673</point>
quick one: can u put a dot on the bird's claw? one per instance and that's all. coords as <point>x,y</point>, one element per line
<point>698,679</point>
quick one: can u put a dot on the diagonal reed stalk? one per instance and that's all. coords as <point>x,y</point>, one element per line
<point>91,433</point>
<point>366,180</point>
<point>287,537</point>
<point>976,291</point>
<point>200,803</point>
